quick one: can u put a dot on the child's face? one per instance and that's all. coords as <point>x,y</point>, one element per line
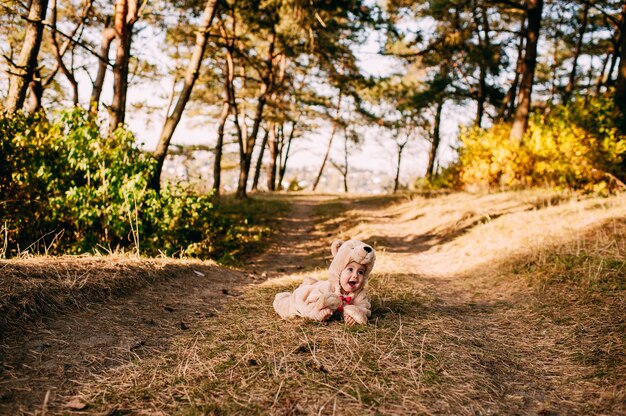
<point>352,278</point>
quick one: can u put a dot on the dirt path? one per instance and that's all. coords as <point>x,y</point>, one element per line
<point>44,366</point>
<point>481,341</point>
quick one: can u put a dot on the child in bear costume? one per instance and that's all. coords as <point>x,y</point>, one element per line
<point>344,291</point>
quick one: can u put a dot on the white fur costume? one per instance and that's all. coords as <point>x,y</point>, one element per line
<point>313,296</point>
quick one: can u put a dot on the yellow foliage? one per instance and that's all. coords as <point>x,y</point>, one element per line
<point>576,146</point>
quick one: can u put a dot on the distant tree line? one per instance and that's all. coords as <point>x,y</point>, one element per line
<point>269,71</point>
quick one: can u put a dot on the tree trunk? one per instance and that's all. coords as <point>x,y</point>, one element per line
<point>108,34</point>
<point>35,89</point>
<point>24,68</point>
<point>123,34</point>
<point>430,169</point>
<point>522,113</point>
<point>571,84</point>
<point>59,57</point>
<point>277,136</point>
<point>345,163</point>
<point>259,161</point>
<point>285,157</point>
<point>191,75</point>
<point>620,84</point>
<point>69,40</point>
<point>271,166</point>
<point>484,43</point>
<point>508,104</point>
<point>228,104</point>
<point>240,127</point>
<point>330,143</point>
<point>265,91</point>
<point>396,182</point>
<point>217,163</point>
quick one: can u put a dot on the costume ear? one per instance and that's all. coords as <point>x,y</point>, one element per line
<point>334,247</point>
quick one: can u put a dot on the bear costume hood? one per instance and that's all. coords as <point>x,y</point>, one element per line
<point>345,252</point>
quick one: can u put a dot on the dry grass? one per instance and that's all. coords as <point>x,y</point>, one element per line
<point>246,361</point>
<point>534,327</point>
<point>42,286</point>
<point>509,303</point>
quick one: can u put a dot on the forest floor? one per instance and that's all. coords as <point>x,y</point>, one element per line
<point>507,303</point>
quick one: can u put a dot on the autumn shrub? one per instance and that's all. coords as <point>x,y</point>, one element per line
<point>66,188</point>
<point>576,146</point>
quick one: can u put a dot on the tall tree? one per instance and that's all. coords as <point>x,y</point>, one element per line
<point>126,14</point>
<point>620,84</point>
<point>267,82</point>
<point>191,76</point>
<point>22,71</point>
<point>68,72</point>
<point>259,162</point>
<point>108,34</point>
<point>436,139</point>
<point>400,145</point>
<point>534,9</point>
<point>507,106</point>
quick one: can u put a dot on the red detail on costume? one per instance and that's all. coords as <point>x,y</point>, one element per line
<point>344,300</point>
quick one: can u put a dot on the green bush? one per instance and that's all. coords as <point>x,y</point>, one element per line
<point>577,146</point>
<point>64,188</point>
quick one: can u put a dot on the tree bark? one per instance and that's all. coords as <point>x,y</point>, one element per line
<point>271,166</point>
<point>108,34</point>
<point>430,169</point>
<point>276,136</point>
<point>228,101</point>
<point>217,163</point>
<point>571,84</point>
<point>522,112</point>
<point>620,84</point>
<point>35,92</point>
<point>484,43</point>
<point>396,181</point>
<point>345,163</point>
<point>266,88</point>
<point>24,68</point>
<point>259,161</point>
<point>69,40</point>
<point>508,103</point>
<point>125,17</point>
<point>59,57</point>
<point>285,156</point>
<point>191,75</point>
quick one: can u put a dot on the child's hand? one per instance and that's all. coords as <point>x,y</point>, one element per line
<point>349,320</point>
<point>324,314</point>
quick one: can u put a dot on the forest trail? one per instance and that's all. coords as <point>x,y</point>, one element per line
<point>44,366</point>
<point>462,322</point>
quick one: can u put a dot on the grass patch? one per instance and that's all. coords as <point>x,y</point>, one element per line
<point>594,262</point>
<point>42,285</point>
<point>252,221</point>
<point>247,360</point>
<point>331,209</point>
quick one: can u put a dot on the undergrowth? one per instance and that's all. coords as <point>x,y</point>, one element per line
<point>67,189</point>
<point>575,146</point>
